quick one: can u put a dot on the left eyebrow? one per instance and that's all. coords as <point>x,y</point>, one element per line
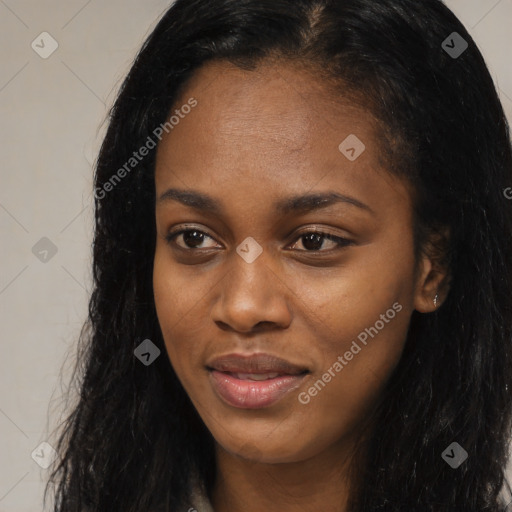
<point>309,202</point>
<point>297,204</point>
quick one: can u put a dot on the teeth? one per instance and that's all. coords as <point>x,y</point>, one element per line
<point>255,376</point>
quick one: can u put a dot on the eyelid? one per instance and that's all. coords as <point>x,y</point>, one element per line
<point>187,227</point>
<point>169,237</point>
<point>341,241</point>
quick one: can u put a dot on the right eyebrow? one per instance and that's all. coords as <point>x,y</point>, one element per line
<point>193,199</point>
<point>297,204</point>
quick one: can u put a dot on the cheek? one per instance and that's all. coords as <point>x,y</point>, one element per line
<point>352,298</point>
<point>343,392</point>
<point>365,319</point>
<point>176,300</point>
<point>164,290</point>
<point>362,363</point>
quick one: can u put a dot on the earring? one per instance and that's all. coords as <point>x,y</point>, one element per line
<point>435,300</point>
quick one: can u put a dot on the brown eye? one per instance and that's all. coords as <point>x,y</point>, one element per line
<point>192,238</point>
<point>314,240</point>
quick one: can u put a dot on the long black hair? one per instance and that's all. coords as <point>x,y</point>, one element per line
<point>134,439</point>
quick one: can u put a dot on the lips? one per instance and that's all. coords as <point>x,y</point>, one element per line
<point>255,364</point>
<point>255,376</point>
<point>254,381</point>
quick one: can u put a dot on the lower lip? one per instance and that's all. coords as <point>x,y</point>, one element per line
<point>252,394</point>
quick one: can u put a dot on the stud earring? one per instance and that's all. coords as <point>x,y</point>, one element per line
<point>435,300</point>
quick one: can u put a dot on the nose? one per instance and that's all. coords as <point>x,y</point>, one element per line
<point>251,297</point>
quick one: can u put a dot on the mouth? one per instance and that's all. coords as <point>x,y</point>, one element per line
<point>255,381</point>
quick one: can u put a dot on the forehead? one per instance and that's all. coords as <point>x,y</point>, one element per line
<point>283,102</point>
<point>277,94</point>
<point>277,126</point>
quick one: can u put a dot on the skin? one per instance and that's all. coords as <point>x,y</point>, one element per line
<point>254,138</point>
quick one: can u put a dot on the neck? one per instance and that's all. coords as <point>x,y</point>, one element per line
<point>318,483</point>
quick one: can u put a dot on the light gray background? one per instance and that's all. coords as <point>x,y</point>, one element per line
<point>52,110</point>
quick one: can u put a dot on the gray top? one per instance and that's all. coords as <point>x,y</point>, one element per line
<point>201,503</point>
<point>199,500</point>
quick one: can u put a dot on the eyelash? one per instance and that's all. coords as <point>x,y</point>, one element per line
<point>340,241</point>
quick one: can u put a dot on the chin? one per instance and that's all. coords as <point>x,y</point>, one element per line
<point>264,452</point>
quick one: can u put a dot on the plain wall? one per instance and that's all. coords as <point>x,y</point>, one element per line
<point>52,110</point>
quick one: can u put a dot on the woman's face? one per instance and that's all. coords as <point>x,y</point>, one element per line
<point>282,340</point>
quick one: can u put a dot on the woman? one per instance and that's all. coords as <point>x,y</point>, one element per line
<point>302,269</point>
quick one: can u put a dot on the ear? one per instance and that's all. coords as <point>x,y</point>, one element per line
<point>433,272</point>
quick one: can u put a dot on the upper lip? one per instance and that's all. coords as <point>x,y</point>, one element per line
<point>255,363</point>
